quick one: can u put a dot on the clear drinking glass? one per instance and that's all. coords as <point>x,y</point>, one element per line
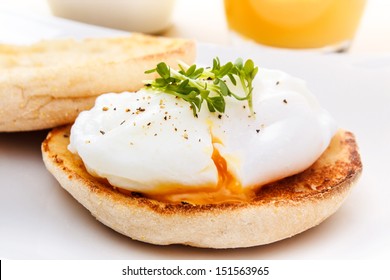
<point>295,24</point>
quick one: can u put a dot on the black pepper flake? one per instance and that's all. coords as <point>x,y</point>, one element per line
<point>148,85</point>
<point>122,122</point>
<point>285,101</point>
<point>244,106</point>
<point>102,132</point>
<point>209,78</point>
<point>175,128</point>
<point>149,123</point>
<point>257,130</point>
<point>277,83</point>
<point>219,116</point>
<point>199,140</point>
<point>165,118</point>
<point>155,134</point>
<point>114,108</point>
<point>141,109</point>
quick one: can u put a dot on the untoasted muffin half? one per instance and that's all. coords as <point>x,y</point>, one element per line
<point>278,210</point>
<point>47,84</point>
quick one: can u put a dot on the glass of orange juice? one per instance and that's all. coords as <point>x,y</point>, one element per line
<point>296,24</point>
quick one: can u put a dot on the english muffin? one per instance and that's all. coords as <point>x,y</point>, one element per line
<point>278,210</point>
<point>47,84</point>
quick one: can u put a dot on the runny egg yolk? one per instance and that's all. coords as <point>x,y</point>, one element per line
<point>228,188</point>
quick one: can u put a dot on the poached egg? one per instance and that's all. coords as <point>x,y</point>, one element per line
<point>150,142</point>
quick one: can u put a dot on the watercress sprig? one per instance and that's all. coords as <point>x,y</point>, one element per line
<point>197,85</point>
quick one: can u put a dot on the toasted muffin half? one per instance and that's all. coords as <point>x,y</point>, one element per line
<point>47,84</point>
<point>278,210</point>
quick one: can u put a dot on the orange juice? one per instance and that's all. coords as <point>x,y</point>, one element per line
<point>295,23</point>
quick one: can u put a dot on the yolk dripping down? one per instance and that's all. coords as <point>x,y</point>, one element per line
<point>228,188</point>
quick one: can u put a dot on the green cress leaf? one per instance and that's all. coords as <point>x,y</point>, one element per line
<point>196,85</point>
<point>163,70</point>
<point>224,88</point>
<point>197,73</point>
<point>248,67</point>
<point>238,63</point>
<point>218,103</point>
<point>190,70</point>
<point>232,79</point>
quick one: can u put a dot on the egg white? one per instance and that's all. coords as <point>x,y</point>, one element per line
<point>148,141</point>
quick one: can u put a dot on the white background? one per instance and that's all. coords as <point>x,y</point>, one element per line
<point>39,220</point>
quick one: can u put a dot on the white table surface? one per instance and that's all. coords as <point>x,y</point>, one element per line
<point>47,228</point>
